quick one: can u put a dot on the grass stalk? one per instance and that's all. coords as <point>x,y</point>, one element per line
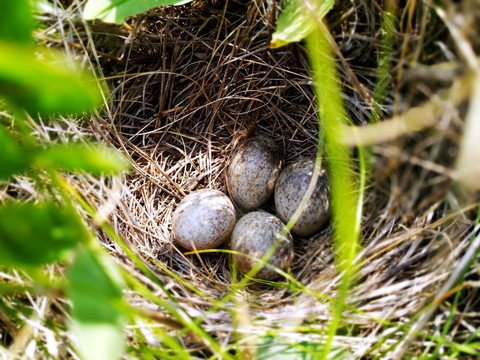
<point>346,199</point>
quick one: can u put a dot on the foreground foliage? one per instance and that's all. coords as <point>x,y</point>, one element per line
<point>36,233</point>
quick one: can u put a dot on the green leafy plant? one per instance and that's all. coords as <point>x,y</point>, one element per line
<point>32,235</point>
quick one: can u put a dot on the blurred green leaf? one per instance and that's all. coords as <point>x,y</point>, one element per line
<point>92,158</point>
<point>98,306</point>
<point>13,158</point>
<point>115,11</point>
<point>36,234</point>
<point>296,22</point>
<point>48,86</point>
<point>16,21</point>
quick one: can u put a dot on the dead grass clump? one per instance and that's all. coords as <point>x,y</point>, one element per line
<point>186,83</point>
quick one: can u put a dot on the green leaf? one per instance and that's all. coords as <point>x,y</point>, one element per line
<point>33,235</point>
<point>44,86</point>
<point>98,306</point>
<point>115,11</point>
<point>92,158</point>
<point>13,159</point>
<point>296,22</point>
<point>16,21</point>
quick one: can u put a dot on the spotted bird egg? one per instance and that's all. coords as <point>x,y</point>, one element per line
<point>254,234</point>
<point>252,172</point>
<point>204,219</point>
<point>291,186</point>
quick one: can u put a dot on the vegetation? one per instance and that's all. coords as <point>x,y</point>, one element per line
<point>384,96</point>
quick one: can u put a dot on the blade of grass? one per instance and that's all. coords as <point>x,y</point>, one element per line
<point>346,200</point>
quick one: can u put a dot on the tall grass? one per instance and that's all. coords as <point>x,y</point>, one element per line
<point>346,187</point>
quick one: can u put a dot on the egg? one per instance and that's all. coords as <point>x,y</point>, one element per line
<point>252,172</point>
<point>291,186</point>
<point>204,219</point>
<point>254,234</point>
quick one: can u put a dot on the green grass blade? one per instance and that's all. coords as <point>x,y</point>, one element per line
<point>346,202</point>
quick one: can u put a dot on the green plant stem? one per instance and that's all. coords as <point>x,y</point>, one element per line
<point>346,201</point>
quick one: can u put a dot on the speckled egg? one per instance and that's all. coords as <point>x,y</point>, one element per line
<point>204,218</point>
<point>254,234</point>
<point>291,186</point>
<point>252,172</point>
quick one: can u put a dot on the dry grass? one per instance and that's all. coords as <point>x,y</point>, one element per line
<point>187,83</point>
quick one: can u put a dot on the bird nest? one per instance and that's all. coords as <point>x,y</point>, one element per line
<point>187,83</point>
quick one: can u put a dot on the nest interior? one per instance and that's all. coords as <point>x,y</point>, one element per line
<point>189,82</point>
